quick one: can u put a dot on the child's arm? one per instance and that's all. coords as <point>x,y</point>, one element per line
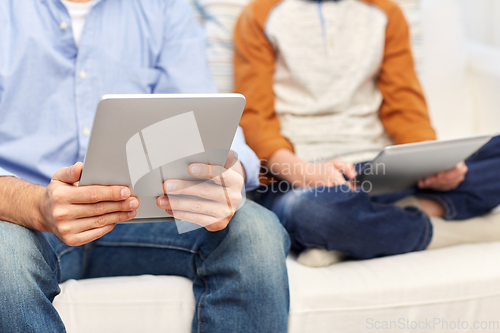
<point>404,111</point>
<point>254,63</point>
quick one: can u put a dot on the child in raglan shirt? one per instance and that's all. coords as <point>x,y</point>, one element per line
<point>329,83</point>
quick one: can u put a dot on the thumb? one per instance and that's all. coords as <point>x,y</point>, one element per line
<point>70,174</point>
<point>231,159</point>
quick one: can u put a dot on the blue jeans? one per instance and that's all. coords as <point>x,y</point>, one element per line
<point>239,274</point>
<point>366,227</point>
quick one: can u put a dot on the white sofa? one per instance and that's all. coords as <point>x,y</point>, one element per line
<point>406,292</point>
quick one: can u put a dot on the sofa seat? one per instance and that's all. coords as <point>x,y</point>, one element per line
<point>460,282</point>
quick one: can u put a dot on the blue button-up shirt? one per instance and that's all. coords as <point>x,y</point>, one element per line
<point>49,88</point>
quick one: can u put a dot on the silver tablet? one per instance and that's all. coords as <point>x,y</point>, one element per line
<point>400,167</point>
<point>141,140</point>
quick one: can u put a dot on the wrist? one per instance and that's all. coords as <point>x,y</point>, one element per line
<point>40,204</point>
<point>284,164</point>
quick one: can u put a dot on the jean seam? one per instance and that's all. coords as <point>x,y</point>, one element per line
<point>159,246</point>
<point>201,299</point>
<point>60,254</point>
<point>426,240</point>
<point>87,248</point>
<point>410,212</point>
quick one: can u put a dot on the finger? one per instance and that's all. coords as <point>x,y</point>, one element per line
<point>101,208</point>
<point>459,170</point>
<point>231,159</point>
<point>90,223</point>
<point>215,172</point>
<point>350,171</point>
<point>347,168</point>
<point>450,174</point>
<point>194,205</point>
<point>427,182</point>
<point>200,219</point>
<point>89,235</point>
<point>194,188</point>
<point>463,167</point>
<point>96,193</point>
<point>70,174</point>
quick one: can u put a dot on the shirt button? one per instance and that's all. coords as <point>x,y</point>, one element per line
<point>86,131</point>
<point>83,75</point>
<point>63,25</point>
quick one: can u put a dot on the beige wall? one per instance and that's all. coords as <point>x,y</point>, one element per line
<point>482,20</point>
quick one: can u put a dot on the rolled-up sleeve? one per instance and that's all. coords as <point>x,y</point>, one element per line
<point>248,159</point>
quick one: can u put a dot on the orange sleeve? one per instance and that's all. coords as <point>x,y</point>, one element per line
<point>404,111</point>
<point>254,63</point>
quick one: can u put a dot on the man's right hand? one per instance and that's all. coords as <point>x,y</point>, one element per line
<point>79,215</point>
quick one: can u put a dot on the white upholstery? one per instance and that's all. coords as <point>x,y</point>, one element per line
<point>454,283</point>
<point>461,83</point>
<point>484,66</point>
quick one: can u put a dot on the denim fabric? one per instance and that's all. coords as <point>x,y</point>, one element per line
<point>239,274</point>
<point>366,227</point>
<point>336,218</point>
<point>480,191</point>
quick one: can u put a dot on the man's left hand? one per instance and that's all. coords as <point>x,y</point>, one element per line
<point>210,204</point>
<point>445,180</point>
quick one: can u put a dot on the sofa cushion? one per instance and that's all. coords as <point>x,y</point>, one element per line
<point>449,284</point>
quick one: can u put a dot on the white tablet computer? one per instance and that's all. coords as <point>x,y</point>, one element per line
<point>140,140</point>
<point>400,167</point>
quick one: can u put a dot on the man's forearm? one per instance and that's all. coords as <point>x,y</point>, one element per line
<point>19,202</point>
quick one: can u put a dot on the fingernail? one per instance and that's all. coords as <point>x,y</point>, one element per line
<point>195,169</point>
<point>125,193</point>
<point>170,186</point>
<point>132,213</point>
<point>163,202</point>
<point>134,204</point>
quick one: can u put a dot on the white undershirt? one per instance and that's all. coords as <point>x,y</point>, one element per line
<point>78,13</point>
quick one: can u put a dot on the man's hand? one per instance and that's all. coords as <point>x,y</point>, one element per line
<point>210,204</point>
<point>79,215</point>
<point>445,180</point>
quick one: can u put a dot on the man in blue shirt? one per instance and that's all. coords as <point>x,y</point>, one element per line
<point>56,61</point>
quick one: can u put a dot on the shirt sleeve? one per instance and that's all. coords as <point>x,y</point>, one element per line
<point>183,57</point>
<point>404,111</point>
<point>184,66</point>
<point>254,64</point>
<point>5,173</point>
<point>248,159</point>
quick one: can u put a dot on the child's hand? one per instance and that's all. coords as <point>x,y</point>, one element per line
<point>445,180</point>
<point>284,164</point>
<point>346,168</point>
